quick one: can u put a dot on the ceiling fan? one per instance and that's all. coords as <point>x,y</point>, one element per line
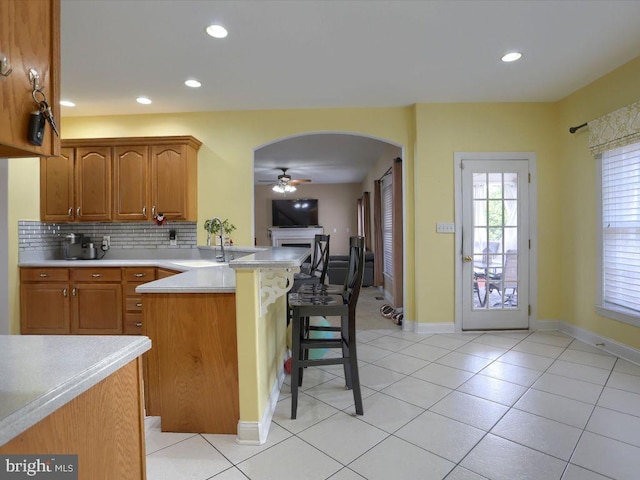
<point>284,183</point>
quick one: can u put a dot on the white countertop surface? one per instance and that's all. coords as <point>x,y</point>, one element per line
<point>202,273</point>
<point>41,373</point>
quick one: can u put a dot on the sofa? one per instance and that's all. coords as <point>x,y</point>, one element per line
<point>339,264</point>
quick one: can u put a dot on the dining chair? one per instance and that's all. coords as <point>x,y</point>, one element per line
<point>316,273</point>
<point>507,281</point>
<point>343,305</point>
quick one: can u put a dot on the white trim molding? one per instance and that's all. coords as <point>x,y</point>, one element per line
<point>603,343</point>
<point>273,284</point>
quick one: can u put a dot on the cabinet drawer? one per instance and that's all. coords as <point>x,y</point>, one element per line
<point>44,274</point>
<point>134,304</point>
<point>133,324</point>
<point>95,275</point>
<point>141,274</point>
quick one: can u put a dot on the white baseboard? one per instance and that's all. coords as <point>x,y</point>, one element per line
<point>603,343</point>
<point>255,433</point>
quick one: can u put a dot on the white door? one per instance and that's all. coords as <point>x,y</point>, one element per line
<point>495,244</point>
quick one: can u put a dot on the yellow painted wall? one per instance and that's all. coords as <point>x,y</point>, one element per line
<point>442,130</point>
<point>24,204</point>
<point>578,198</point>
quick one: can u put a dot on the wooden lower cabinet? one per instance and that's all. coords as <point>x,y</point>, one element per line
<point>192,369</point>
<point>104,426</point>
<point>84,300</point>
<point>131,278</point>
<point>71,301</point>
<point>44,301</point>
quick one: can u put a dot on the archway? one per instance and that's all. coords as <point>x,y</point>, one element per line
<point>341,166</point>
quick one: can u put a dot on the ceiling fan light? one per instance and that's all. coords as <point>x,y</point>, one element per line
<point>278,189</point>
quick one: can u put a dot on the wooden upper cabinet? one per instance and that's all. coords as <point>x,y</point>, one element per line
<point>29,39</point>
<point>168,181</point>
<point>131,183</point>
<point>93,184</point>
<point>121,179</point>
<point>57,192</point>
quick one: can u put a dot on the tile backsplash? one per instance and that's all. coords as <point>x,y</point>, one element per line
<point>48,238</point>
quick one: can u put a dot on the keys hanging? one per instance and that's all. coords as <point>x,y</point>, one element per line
<point>45,110</point>
<point>40,117</point>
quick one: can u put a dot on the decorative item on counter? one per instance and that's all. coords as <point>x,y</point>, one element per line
<point>214,229</point>
<point>160,220</point>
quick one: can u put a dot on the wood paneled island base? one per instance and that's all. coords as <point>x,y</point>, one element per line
<point>104,426</point>
<point>192,367</point>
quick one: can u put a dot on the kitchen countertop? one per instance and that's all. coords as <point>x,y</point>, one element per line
<point>41,373</point>
<point>201,272</point>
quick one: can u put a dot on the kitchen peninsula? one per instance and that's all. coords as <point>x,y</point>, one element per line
<point>75,395</point>
<point>219,343</point>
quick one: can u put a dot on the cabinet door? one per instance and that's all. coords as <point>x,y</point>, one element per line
<point>44,308</point>
<point>93,184</point>
<point>29,39</point>
<point>96,308</point>
<point>168,181</point>
<point>56,187</point>
<point>131,183</point>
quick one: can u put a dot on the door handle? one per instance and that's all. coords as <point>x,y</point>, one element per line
<point>467,259</point>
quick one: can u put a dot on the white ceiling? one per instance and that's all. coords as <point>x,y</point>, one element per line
<point>343,53</point>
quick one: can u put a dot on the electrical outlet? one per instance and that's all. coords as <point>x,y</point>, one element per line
<point>106,239</point>
<point>445,228</point>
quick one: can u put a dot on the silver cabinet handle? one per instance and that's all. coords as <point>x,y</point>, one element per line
<point>5,68</point>
<point>70,213</point>
<point>139,275</point>
<point>139,305</point>
<point>78,212</point>
<point>138,324</point>
<point>74,292</point>
<point>96,275</point>
<point>153,211</point>
<point>44,275</point>
<point>64,292</point>
<point>144,212</point>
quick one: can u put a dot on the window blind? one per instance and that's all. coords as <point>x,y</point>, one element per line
<point>621,226</point>
<point>387,225</point>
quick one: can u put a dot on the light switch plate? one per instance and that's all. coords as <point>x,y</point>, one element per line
<point>445,228</point>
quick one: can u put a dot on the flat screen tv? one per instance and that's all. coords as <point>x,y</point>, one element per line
<point>294,213</point>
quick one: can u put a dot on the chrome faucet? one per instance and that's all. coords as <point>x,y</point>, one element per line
<point>221,256</point>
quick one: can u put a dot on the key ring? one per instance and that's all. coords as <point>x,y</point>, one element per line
<point>33,94</point>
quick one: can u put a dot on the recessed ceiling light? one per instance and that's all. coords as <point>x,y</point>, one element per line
<point>217,31</point>
<point>143,100</point>
<point>67,103</point>
<point>511,57</point>
<point>193,83</point>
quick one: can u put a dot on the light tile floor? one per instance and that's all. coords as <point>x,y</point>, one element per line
<point>457,407</point>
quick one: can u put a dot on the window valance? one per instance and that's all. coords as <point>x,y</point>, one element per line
<point>616,129</point>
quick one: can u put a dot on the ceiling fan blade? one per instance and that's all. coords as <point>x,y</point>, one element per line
<point>299,181</point>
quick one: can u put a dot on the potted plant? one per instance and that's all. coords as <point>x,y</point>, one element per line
<point>213,228</point>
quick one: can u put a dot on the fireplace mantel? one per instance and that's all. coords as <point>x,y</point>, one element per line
<point>294,237</point>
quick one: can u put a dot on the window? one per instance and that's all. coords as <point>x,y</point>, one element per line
<point>620,228</point>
